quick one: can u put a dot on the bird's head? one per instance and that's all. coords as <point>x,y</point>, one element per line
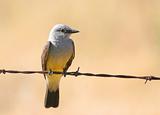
<point>62,31</point>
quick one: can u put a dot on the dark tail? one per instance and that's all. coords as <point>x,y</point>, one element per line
<point>51,98</point>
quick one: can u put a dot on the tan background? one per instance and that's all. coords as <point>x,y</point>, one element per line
<point>117,37</point>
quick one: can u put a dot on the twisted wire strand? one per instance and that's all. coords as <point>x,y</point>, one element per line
<point>77,73</point>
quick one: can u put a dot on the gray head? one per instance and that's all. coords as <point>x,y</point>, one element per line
<point>61,31</point>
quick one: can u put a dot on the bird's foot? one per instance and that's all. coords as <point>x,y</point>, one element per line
<point>50,72</point>
<point>64,72</point>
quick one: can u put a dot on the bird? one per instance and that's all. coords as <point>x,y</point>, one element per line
<point>57,55</point>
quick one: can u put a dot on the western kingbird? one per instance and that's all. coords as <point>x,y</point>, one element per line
<point>57,55</point>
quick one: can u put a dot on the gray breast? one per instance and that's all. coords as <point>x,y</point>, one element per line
<point>62,49</point>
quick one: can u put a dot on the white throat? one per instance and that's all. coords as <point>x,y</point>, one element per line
<point>58,41</point>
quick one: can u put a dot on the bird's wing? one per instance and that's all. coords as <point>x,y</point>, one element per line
<point>44,56</point>
<point>71,59</point>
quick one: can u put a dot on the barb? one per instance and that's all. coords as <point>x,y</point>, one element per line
<point>77,73</point>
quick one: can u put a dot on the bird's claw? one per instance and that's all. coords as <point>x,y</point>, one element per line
<point>64,73</point>
<point>50,72</point>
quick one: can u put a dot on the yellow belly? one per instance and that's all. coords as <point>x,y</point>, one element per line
<point>56,63</point>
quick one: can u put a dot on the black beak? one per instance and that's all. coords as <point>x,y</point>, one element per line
<point>72,31</point>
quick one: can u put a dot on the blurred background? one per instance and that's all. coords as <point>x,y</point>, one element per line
<point>116,37</point>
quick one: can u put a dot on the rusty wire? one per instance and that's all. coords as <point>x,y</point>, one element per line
<point>78,73</point>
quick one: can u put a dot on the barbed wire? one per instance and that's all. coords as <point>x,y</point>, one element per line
<point>78,73</point>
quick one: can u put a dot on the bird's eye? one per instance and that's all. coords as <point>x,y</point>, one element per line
<point>62,30</point>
